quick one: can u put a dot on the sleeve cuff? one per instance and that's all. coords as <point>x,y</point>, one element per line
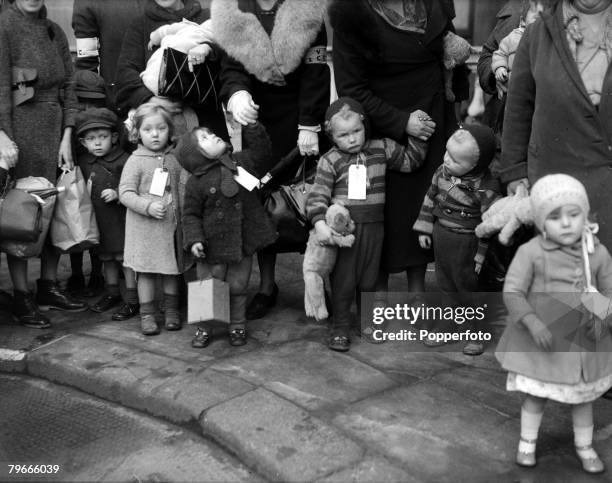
<point>316,128</point>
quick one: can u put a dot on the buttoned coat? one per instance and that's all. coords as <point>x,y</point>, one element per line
<point>547,279</point>
<point>551,125</point>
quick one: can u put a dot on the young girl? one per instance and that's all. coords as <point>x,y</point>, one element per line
<point>557,343</point>
<point>151,188</point>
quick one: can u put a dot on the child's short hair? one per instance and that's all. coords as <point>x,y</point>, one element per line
<point>143,111</point>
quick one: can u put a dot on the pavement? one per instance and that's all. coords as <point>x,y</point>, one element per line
<point>289,409</point>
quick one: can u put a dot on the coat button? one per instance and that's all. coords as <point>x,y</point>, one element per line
<point>218,203</point>
<point>578,271</point>
<point>238,205</point>
<point>220,215</point>
<point>213,190</point>
<point>168,188</point>
<point>609,148</point>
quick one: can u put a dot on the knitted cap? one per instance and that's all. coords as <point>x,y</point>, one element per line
<point>353,106</point>
<point>95,118</point>
<point>485,139</point>
<point>553,191</point>
<point>188,152</point>
<point>89,85</point>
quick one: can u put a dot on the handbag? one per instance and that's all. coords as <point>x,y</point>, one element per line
<point>176,81</point>
<point>22,80</point>
<point>286,207</point>
<point>20,216</point>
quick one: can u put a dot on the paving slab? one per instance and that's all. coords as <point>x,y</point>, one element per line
<point>130,376</point>
<point>373,470</point>
<point>307,373</point>
<point>431,430</point>
<point>279,439</point>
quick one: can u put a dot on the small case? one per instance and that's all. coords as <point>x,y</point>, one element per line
<point>208,300</point>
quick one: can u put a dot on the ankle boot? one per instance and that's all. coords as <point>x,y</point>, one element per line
<point>26,311</point>
<point>172,319</point>
<point>50,296</point>
<point>148,324</point>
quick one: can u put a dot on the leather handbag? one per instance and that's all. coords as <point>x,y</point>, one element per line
<point>21,84</point>
<point>177,82</point>
<point>20,216</point>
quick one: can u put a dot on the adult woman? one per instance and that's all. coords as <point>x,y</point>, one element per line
<point>40,130</point>
<point>387,55</point>
<point>276,72</point>
<point>559,109</point>
<point>131,92</point>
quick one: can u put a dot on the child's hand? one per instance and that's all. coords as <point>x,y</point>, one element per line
<point>150,45</point>
<point>324,233</point>
<point>198,55</point>
<point>157,210</point>
<point>501,74</point>
<point>425,242</point>
<point>197,249</point>
<point>109,195</point>
<point>539,332</point>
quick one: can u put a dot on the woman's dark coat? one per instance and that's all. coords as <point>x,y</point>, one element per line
<point>392,73</point>
<point>551,125</point>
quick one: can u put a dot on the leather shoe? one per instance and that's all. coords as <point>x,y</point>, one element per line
<point>126,311</point>
<point>590,465</point>
<point>25,311</point>
<point>473,349</point>
<point>51,296</point>
<point>261,304</point>
<point>526,458</point>
<point>339,343</point>
<point>237,337</point>
<point>106,302</point>
<point>148,325</point>
<point>201,339</point>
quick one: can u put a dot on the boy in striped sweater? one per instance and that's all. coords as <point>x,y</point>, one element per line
<point>353,173</point>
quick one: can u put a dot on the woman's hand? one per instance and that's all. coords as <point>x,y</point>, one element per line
<point>242,107</point>
<point>157,210</point>
<point>64,157</point>
<point>109,195</point>
<point>308,142</point>
<point>198,55</point>
<point>197,249</point>
<point>9,152</point>
<point>539,332</point>
<point>324,233</point>
<point>420,125</point>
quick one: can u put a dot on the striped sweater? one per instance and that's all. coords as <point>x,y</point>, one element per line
<point>331,181</point>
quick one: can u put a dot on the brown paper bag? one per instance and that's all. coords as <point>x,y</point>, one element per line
<point>207,301</point>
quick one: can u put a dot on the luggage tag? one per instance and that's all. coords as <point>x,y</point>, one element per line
<point>158,184</point>
<point>357,182</point>
<point>246,179</point>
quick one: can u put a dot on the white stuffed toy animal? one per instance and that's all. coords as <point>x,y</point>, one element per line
<point>319,260</point>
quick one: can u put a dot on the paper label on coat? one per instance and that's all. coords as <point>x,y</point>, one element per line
<point>357,182</point>
<point>246,179</point>
<point>158,185</point>
<point>316,55</point>
<point>87,47</point>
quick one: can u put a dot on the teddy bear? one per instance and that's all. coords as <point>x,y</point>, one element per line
<point>457,51</point>
<point>506,215</point>
<point>319,260</point>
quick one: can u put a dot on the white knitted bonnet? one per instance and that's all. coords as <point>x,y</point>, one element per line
<point>553,191</point>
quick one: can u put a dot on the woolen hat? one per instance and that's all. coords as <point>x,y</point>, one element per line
<point>485,139</point>
<point>553,191</point>
<point>95,118</point>
<point>354,106</point>
<point>89,85</point>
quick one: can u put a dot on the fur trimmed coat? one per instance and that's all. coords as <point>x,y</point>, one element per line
<point>280,59</point>
<point>393,73</point>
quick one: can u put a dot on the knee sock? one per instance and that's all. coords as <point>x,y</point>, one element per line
<point>148,308</point>
<point>530,425</point>
<point>171,306</point>
<point>583,437</point>
<point>131,296</point>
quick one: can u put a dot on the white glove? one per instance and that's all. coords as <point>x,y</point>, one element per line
<point>242,107</point>
<point>308,142</point>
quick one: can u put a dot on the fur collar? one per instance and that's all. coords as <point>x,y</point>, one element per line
<point>268,58</point>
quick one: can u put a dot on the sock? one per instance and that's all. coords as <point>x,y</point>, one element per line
<point>148,308</point>
<point>131,296</point>
<point>113,290</point>
<point>583,436</point>
<point>96,264</point>
<point>530,425</point>
<point>171,305</point>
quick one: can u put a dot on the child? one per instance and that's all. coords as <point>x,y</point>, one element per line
<point>503,57</point>
<point>188,37</point>
<point>462,188</point>
<point>353,172</point>
<point>102,164</point>
<point>223,223</point>
<point>547,281</point>
<point>151,188</point>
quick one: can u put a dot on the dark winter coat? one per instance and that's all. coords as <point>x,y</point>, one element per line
<point>134,55</point>
<point>392,73</point>
<point>229,227</point>
<point>37,125</point>
<point>106,20</point>
<point>103,173</point>
<point>4,177</point>
<point>290,37</point>
<point>551,125</point>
